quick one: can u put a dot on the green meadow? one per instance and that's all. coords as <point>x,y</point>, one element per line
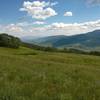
<point>28,74</point>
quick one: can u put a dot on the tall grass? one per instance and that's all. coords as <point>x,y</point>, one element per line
<point>27,74</point>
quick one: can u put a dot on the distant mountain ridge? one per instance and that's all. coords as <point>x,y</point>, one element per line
<point>90,39</point>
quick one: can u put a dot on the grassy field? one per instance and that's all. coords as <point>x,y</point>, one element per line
<point>27,74</point>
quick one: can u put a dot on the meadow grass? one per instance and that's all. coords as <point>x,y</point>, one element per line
<point>27,74</point>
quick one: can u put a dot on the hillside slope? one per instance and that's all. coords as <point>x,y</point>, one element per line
<point>27,74</point>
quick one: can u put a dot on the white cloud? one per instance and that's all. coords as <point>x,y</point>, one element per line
<point>92,24</point>
<point>39,23</point>
<point>39,9</point>
<point>53,3</point>
<point>58,25</point>
<point>93,2</point>
<point>28,24</point>
<point>74,28</point>
<point>68,13</point>
<point>13,28</point>
<point>24,24</point>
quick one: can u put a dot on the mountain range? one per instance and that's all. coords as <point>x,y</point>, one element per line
<point>86,40</point>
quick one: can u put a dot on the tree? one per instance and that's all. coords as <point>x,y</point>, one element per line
<point>9,41</point>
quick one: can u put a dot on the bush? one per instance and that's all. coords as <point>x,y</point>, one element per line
<point>9,41</point>
<point>95,53</point>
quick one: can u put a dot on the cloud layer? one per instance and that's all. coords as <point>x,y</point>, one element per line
<point>22,29</point>
<point>39,9</point>
<point>75,28</point>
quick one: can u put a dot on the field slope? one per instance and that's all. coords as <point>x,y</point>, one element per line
<point>27,74</point>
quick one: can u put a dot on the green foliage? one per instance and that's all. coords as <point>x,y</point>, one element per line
<point>9,41</point>
<point>94,53</point>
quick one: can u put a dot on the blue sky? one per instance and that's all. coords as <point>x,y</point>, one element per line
<point>57,12</point>
<point>81,11</point>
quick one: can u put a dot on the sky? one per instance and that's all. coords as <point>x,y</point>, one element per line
<point>49,17</point>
